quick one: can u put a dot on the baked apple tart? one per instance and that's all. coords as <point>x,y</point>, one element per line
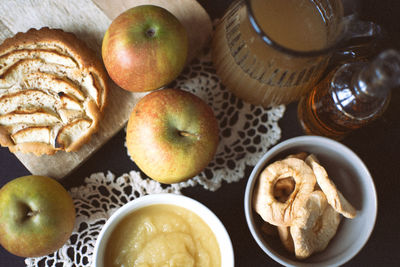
<point>53,90</point>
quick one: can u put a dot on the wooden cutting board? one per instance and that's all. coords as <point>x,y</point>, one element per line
<point>89,19</point>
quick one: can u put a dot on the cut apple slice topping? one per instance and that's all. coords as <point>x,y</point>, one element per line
<point>27,99</point>
<point>69,102</point>
<point>32,134</point>
<point>72,132</point>
<point>89,85</point>
<point>14,73</point>
<point>52,82</point>
<point>69,115</point>
<point>39,117</point>
<point>12,57</point>
<point>26,66</point>
<point>100,88</point>
<point>49,46</point>
<point>85,81</point>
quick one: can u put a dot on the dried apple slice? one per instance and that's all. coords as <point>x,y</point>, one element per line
<point>283,188</point>
<point>320,226</point>
<point>310,210</point>
<point>300,155</point>
<point>335,198</point>
<point>286,237</point>
<point>265,204</point>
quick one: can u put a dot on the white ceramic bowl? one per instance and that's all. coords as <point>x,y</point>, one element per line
<point>351,177</point>
<point>223,239</point>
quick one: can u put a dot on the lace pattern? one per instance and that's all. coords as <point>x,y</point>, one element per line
<point>246,133</point>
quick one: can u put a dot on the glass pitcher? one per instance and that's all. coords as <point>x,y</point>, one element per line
<point>271,52</point>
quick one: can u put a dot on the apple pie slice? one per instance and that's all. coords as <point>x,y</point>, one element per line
<point>53,90</point>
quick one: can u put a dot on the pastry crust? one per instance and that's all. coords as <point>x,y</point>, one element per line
<point>57,65</point>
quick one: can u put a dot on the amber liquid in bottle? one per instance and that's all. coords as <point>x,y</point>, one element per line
<point>350,97</point>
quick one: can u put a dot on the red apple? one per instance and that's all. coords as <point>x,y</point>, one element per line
<point>144,48</point>
<point>172,135</point>
<point>37,216</point>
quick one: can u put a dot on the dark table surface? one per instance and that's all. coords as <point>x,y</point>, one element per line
<point>378,145</point>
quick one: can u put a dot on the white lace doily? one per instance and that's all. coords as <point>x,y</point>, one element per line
<point>246,133</point>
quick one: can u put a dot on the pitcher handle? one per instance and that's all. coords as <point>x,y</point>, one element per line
<point>360,41</point>
<point>356,28</point>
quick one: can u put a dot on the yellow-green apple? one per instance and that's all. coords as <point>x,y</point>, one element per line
<point>144,48</point>
<point>172,135</point>
<point>37,216</point>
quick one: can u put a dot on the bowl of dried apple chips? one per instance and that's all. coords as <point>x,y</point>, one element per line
<point>310,200</point>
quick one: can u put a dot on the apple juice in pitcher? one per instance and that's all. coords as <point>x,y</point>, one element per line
<point>270,52</point>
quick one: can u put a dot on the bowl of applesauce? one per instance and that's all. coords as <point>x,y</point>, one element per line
<point>163,230</point>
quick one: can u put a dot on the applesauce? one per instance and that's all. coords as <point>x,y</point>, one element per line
<point>162,235</point>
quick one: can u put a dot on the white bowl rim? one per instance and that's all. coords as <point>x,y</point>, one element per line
<point>273,152</point>
<point>215,224</point>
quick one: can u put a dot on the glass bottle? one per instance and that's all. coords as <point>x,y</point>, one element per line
<point>350,96</point>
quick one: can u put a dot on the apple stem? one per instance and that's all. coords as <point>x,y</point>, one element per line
<point>26,212</point>
<point>187,134</point>
<point>32,213</point>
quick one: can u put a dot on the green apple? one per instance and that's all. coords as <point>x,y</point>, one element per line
<point>37,216</point>
<point>144,48</point>
<point>172,135</point>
